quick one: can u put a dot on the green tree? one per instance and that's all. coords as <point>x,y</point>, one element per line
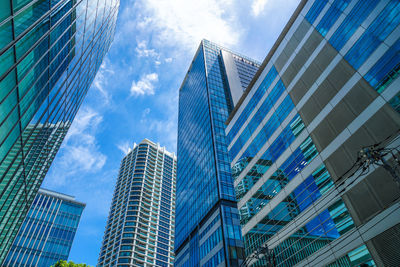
<point>62,263</point>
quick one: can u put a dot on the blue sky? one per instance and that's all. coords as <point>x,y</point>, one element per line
<point>135,93</point>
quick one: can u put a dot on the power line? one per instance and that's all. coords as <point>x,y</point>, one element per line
<point>374,155</point>
<point>261,252</point>
<point>367,156</point>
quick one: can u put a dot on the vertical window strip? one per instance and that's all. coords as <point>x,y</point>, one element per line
<point>376,33</point>
<point>293,165</point>
<point>387,69</point>
<point>315,10</point>
<point>269,78</point>
<point>281,143</point>
<point>395,102</point>
<point>352,21</point>
<point>258,117</point>
<point>308,192</point>
<point>333,13</point>
<point>268,129</point>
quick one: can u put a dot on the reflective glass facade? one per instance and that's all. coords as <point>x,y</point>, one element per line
<point>207,221</point>
<point>140,227</point>
<point>327,89</point>
<point>48,231</point>
<point>50,51</point>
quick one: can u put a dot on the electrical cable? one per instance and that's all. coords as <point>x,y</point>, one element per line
<point>364,171</point>
<point>349,242</point>
<point>293,201</point>
<point>360,165</point>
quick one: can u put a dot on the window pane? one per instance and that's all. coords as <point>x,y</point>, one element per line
<point>9,102</point>
<point>6,146</point>
<point>31,38</point>
<point>8,124</point>
<point>6,61</point>
<point>30,15</point>
<point>5,32</point>
<point>7,84</point>
<point>5,9</point>
<point>32,58</point>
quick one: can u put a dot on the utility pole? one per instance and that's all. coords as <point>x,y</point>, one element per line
<point>374,155</point>
<point>261,252</point>
<point>367,156</point>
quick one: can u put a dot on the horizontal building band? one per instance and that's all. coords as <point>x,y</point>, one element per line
<point>292,146</point>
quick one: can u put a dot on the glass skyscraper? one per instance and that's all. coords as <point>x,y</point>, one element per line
<point>50,51</point>
<point>140,227</point>
<point>207,219</point>
<point>328,88</point>
<point>48,231</point>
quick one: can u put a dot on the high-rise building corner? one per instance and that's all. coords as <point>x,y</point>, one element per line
<point>207,220</point>
<point>47,232</point>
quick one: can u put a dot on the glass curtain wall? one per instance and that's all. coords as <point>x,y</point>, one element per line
<point>50,51</point>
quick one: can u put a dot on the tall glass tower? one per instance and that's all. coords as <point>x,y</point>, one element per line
<point>207,220</point>
<point>140,226</point>
<point>48,231</point>
<point>50,51</point>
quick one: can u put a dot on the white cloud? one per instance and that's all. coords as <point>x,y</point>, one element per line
<point>101,79</point>
<point>79,152</point>
<point>184,23</point>
<point>80,147</point>
<point>145,86</point>
<point>145,112</point>
<point>168,60</point>
<point>125,147</point>
<point>163,129</point>
<point>143,51</point>
<point>273,11</point>
<point>85,158</point>
<point>258,6</point>
<point>85,122</point>
<point>168,130</point>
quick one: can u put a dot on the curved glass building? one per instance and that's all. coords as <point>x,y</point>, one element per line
<point>50,51</point>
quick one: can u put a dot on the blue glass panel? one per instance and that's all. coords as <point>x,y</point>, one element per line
<point>244,115</point>
<point>45,110</point>
<point>211,242</point>
<point>395,102</point>
<point>333,13</point>
<point>202,177</point>
<point>269,128</point>
<point>258,117</point>
<point>376,33</point>
<point>30,15</point>
<point>49,228</point>
<point>316,234</point>
<point>281,143</point>
<point>5,33</point>
<point>352,21</point>
<point>386,69</point>
<point>315,10</point>
<point>357,257</point>
<point>274,184</point>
